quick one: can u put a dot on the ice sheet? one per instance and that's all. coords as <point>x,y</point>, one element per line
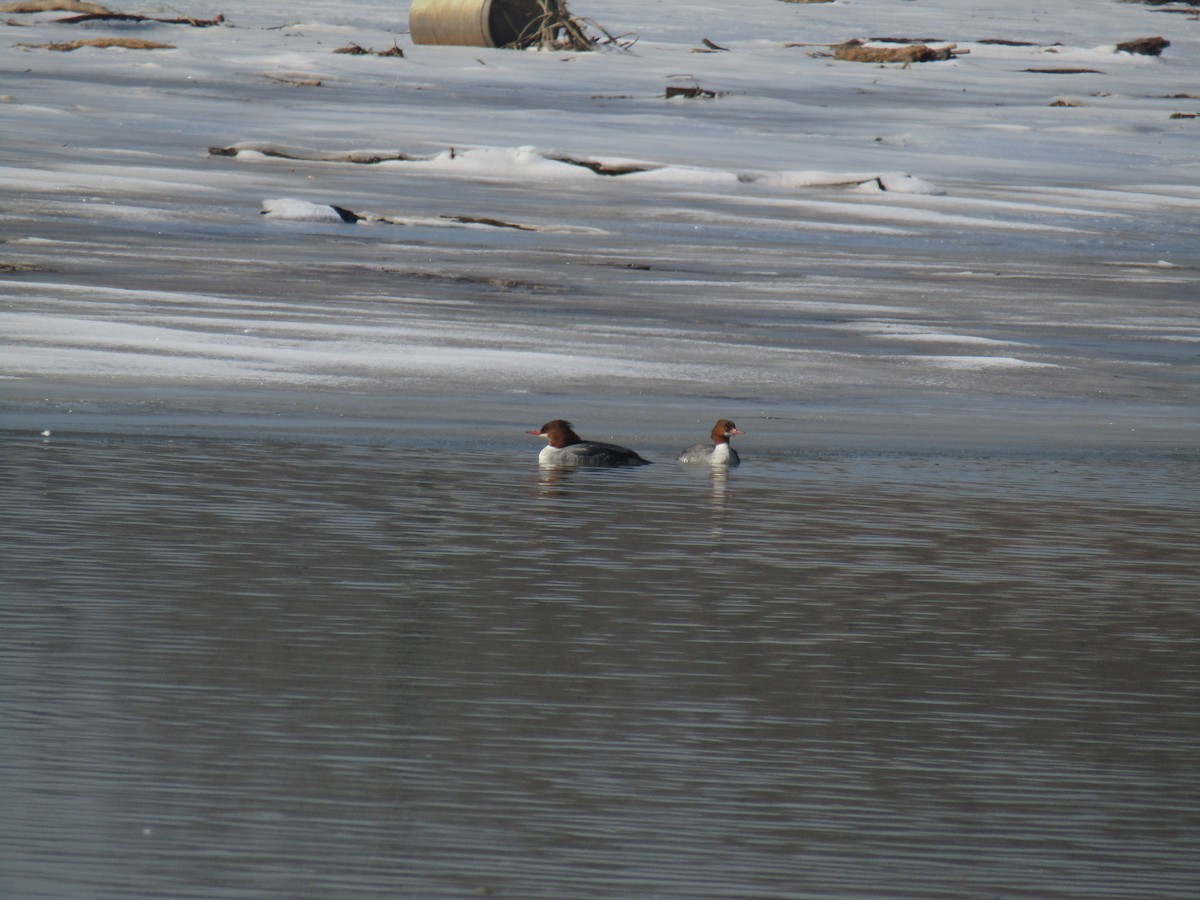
<point>750,254</point>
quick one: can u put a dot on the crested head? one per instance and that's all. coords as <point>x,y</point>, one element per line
<point>724,430</point>
<point>558,432</point>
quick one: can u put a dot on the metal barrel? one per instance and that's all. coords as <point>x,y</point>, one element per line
<point>471,23</point>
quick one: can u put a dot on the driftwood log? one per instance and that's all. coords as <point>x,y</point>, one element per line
<point>855,50</point>
<point>36,6</point>
<point>103,43</point>
<point>1147,46</point>
<point>361,157</point>
<point>357,50</point>
<point>134,17</point>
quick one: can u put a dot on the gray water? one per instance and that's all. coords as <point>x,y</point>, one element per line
<point>289,666</point>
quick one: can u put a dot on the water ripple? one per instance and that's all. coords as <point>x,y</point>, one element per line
<point>304,670</point>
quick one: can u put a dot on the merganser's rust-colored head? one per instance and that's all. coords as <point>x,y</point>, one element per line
<point>558,432</point>
<point>723,431</point>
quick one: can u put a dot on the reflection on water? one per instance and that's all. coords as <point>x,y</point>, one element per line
<point>301,670</point>
<point>720,487</point>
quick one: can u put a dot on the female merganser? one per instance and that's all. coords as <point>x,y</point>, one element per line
<point>720,453</point>
<point>566,448</point>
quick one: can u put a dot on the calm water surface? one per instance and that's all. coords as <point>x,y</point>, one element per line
<point>285,669</point>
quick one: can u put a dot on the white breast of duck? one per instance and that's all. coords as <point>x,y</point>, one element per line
<point>719,453</point>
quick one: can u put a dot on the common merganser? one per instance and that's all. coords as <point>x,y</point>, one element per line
<point>720,453</point>
<point>566,448</point>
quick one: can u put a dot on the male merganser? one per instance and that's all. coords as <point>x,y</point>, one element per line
<point>720,453</point>
<point>566,448</point>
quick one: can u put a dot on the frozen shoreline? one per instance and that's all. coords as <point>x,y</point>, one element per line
<point>1058,269</point>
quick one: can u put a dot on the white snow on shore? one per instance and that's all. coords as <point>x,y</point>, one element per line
<point>550,221</point>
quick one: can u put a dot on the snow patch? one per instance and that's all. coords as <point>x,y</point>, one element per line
<point>303,211</point>
<point>900,184</point>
